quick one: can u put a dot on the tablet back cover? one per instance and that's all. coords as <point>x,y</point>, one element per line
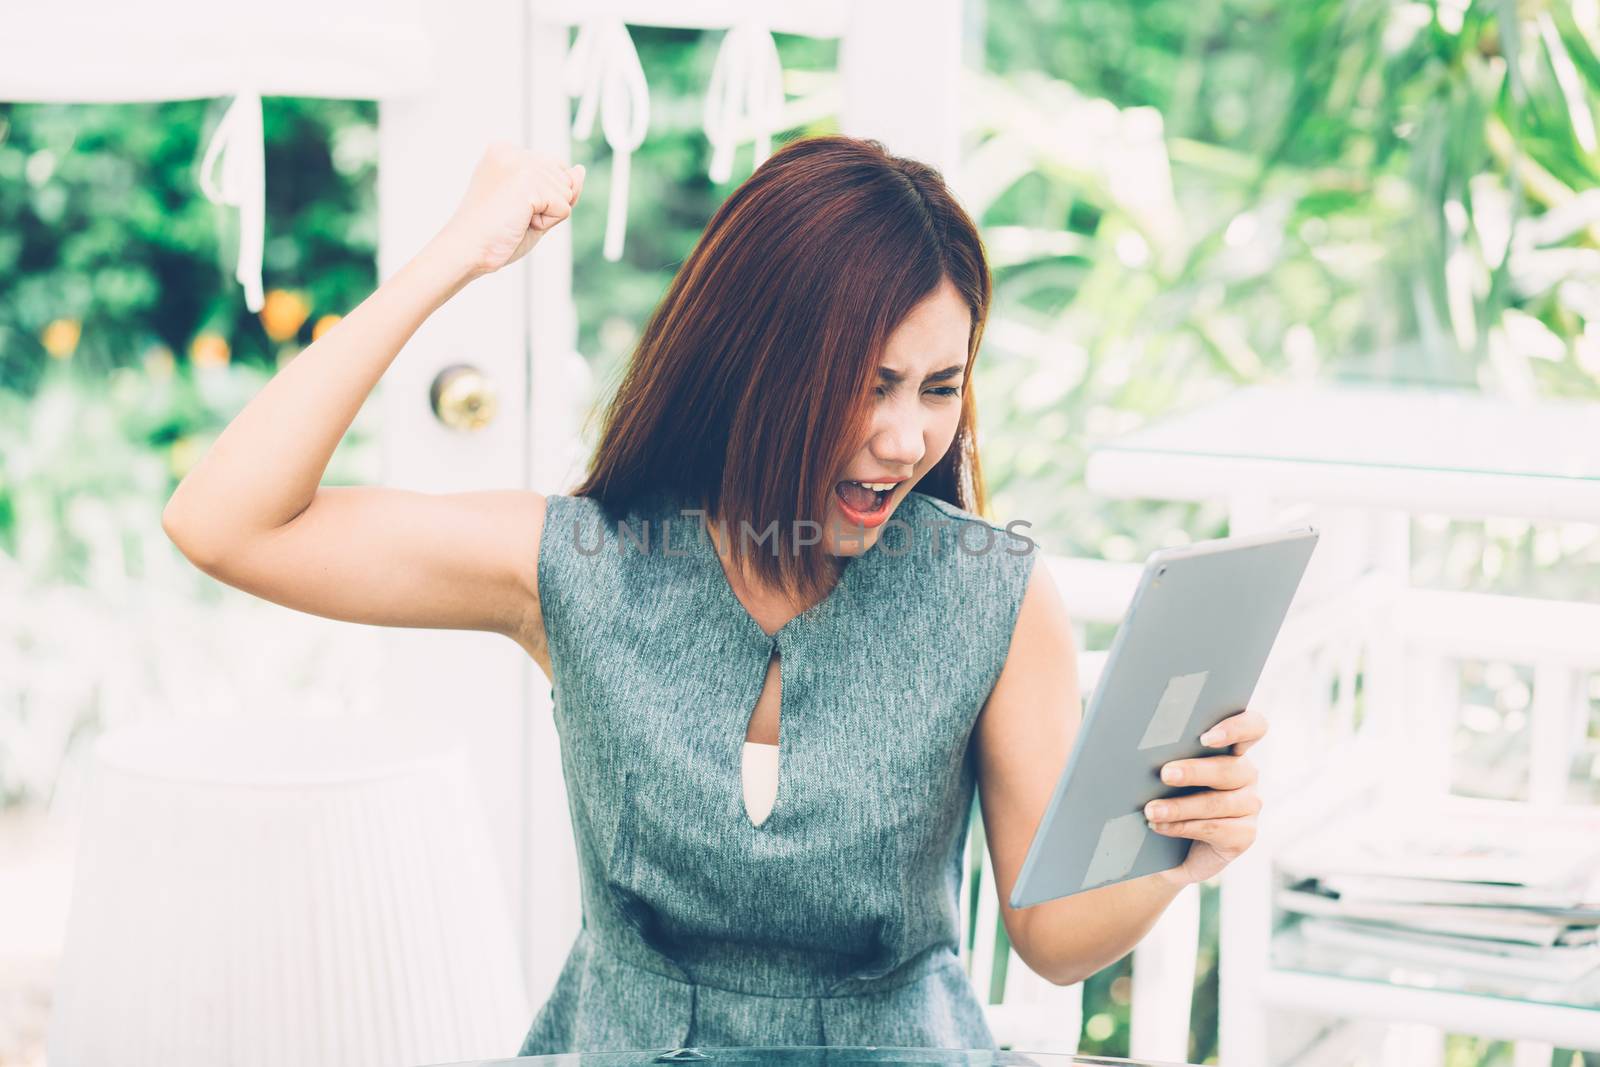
<point>1187,656</point>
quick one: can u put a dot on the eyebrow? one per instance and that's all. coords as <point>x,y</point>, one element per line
<point>955,370</point>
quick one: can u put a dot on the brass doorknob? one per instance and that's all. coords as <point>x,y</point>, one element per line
<point>462,397</point>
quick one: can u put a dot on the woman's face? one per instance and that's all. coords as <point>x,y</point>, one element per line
<point>916,409</point>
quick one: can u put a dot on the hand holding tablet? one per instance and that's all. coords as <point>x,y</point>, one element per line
<point>1187,657</point>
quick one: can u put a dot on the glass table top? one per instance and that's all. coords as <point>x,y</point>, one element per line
<point>810,1056</point>
<point>1382,425</point>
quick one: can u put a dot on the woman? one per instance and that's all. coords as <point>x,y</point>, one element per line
<point>778,538</point>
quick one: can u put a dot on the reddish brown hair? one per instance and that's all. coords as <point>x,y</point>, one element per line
<point>751,386</point>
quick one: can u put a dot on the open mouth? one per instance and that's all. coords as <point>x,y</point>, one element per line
<point>864,503</point>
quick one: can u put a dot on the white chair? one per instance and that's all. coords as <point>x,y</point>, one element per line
<point>314,890</point>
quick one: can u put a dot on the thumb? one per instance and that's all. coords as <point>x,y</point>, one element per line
<point>576,174</point>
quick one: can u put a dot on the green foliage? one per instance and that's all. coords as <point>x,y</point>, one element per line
<point>111,255</point>
<point>1183,197</point>
<point>103,224</point>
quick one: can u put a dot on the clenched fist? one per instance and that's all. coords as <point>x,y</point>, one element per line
<point>514,198</point>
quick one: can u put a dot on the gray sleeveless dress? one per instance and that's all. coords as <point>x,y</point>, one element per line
<point>834,922</point>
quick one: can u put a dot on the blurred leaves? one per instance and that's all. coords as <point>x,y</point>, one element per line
<point>1189,196</point>
<point>119,318</point>
<point>103,225</point>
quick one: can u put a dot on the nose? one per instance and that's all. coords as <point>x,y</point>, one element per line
<point>897,438</point>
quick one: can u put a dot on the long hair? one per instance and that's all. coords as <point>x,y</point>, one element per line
<point>751,386</point>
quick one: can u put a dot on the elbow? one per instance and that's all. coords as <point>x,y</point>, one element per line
<point>1067,977</point>
<point>182,535</point>
<point>1060,972</point>
<point>1064,971</point>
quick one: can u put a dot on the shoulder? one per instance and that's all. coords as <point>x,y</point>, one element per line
<point>586,544</point>
<point>574,570</point>
<point>966,534</point>
<point>979,573</point>
<point>984,565</point>
<point>952,511</point>
<point>587,520</point>
<point>572,524</point>
<point>580,508</point>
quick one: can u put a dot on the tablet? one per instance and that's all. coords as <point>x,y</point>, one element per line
<point>1187,656</point>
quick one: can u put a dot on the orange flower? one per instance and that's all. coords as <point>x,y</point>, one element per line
<point>208,350</point>
<point>323,325</point>
<point>60,338</point>
<point>283,312</point>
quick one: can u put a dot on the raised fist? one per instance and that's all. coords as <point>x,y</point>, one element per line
<point>514,198</point>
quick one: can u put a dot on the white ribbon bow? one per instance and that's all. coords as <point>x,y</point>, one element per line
<point>746,94</point>
<point>603,71</point>
<point>242,185</point>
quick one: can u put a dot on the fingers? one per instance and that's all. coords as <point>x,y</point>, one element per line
<point>552,212</point>
<point>1214,772</point>
<point>552,189</point>
<point>1223,814</point>
<point>564,186</point>
<point>1242,731</point>
<point>549,193</point>
<point>1212,804</point>
<point>506,156</point>
<point>1228,836</point>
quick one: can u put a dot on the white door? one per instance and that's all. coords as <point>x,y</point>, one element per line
<point>483,684</point>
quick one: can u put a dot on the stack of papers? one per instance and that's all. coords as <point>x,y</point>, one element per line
<point>1509,894</point>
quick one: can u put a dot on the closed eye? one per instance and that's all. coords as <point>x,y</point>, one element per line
<point>943,390</point>
<point>891,378</point>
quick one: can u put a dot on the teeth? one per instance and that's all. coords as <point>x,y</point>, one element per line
<point>877,487</point>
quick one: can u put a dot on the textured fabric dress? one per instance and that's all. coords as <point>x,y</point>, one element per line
<point>835,921</point>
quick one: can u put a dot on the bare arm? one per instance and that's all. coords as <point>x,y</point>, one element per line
<point>1024,735</point>
<point>252,513</point>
